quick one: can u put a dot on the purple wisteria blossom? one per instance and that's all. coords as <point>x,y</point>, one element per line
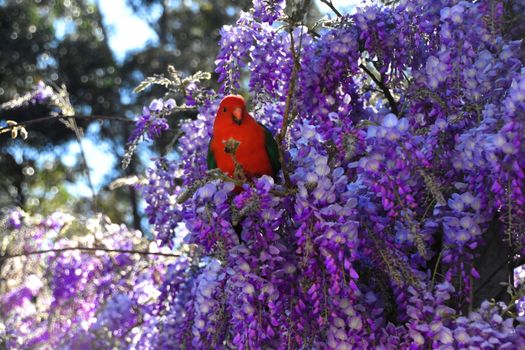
<point>150,122</point>
<point>374,243</point>
<point>403,159</point>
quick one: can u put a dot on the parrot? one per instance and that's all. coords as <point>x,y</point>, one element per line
<point>257,151</point>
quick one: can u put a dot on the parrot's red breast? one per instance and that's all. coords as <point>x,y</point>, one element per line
<point>234,122</point>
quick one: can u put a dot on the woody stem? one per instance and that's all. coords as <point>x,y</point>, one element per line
<point>287,109</point>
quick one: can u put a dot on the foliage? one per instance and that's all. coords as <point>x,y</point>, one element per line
<point>79,57</point>
<point>401,134</point>
<point>61,42</point>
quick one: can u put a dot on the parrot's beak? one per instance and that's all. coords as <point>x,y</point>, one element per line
<point>237,116</point>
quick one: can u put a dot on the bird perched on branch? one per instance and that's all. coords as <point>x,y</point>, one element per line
<point>237,137</point>
<point>239,141</point>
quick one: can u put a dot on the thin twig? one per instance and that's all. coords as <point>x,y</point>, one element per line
<point>61,100</point>
<point>60,117</point>
<point>384,88</point>
<point>332,7</point>
<point>88,249</point>
<point>70,121</point>
<point>287,108</point>
<point>434,274</point>
<point>85,165</point>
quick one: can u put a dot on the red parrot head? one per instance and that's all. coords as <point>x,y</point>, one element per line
<point>231,110</point>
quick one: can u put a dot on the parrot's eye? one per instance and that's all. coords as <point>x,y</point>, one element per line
<point>224,110</point>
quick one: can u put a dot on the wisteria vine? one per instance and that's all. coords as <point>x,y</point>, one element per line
<point>404,147</point>
<point>401,131</point>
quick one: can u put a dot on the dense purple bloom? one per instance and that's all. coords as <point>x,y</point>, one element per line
<point>151,122</point>
<point>74,299</point>
<point>268,10</point>
<point>405,143</point>
<point>370,200</point>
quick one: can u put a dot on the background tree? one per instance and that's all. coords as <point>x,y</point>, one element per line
<point>78,55</point>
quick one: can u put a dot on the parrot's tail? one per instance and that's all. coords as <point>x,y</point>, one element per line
<point>238,230</point>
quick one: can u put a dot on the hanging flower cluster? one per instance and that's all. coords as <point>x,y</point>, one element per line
<point>76,284</point>
<point>403,147</point>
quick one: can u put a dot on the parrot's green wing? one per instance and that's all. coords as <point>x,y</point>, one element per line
<point>272,149</point>
<point>212,163</point>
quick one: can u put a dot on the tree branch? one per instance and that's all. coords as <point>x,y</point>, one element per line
<point>59,117</point>
<point>332,7</point>
<point>384,88</point>
<point>87,249</point>
<point>287,108</point>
